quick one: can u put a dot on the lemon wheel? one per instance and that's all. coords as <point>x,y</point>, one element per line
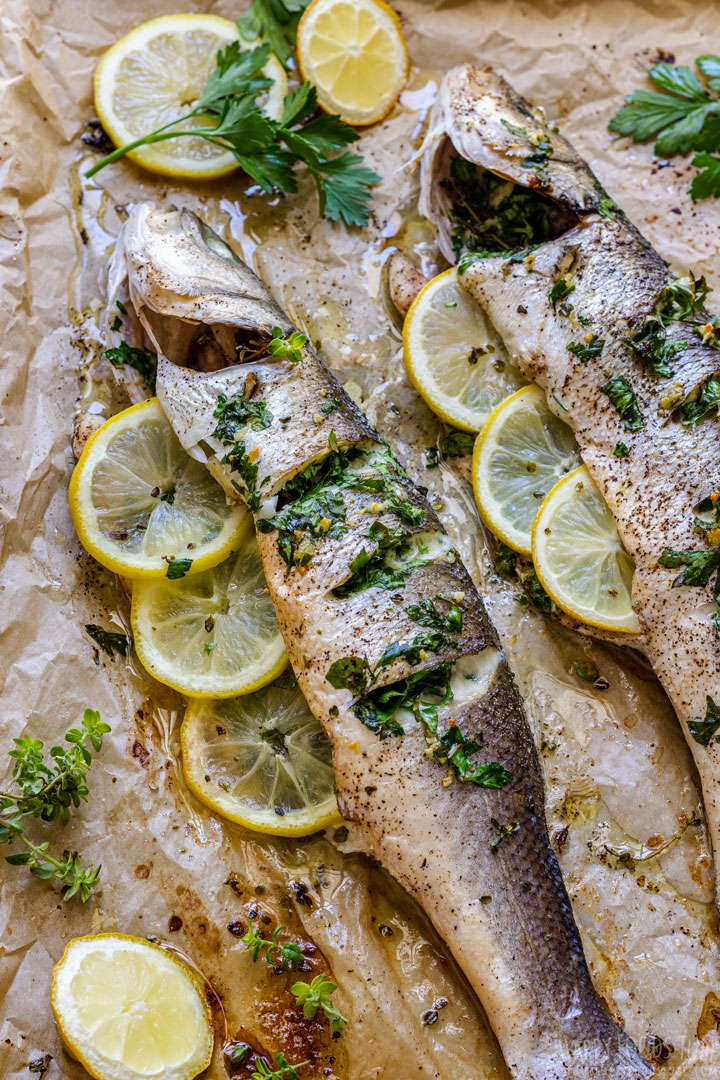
<point>139,501</point>
<point>579,556</point>
<point>354,52</point>
<point>213,634</point>
<point>453,355</point>
<point>262,761</point>
<point>129,1010</point>
<point>156,74</point>
<point>521,453</point>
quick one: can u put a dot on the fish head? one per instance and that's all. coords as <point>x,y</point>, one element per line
<point>484,136</point>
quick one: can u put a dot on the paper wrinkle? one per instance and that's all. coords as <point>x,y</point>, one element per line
<point>650,933</point>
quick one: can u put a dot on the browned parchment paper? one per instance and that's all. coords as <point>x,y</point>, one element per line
<point>617,771</point>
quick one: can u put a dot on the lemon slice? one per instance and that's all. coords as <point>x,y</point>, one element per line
<point>579,556</point>
<point>262,761</point>
<point>213,634</point>
<point>453,355</point>
<point>156,74</point>
<point>522,451</point>
<point>129,1010</point>
<point>355,54</point>
<point>138,500</point>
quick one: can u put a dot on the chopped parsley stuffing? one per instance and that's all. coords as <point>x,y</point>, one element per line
<point>144,361</point>
<point>699,569</point>
<point>622,396</point>
<point>699,408</point>
<point>425,613</point>
<point>505,561</point>
<point>560,291</point>
<point>109,641</point>
<point>704,731</point>
<point>368,571</point>
<point>177,568</point>
<point>454,444</point>
<point>235,415</point>
<point>493,216</point>
<point>533,595</point>
<point>586,350</point>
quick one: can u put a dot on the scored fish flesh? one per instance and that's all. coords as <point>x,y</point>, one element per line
<point>627,355</point>
<point>388,638</point>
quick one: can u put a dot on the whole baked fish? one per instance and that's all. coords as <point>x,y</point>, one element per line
<point>627,354</point>
<point>388,638</point>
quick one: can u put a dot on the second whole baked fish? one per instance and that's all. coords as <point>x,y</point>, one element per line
<point>387,636</point>
<point>626,353</point>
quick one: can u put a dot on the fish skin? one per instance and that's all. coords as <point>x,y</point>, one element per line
<point>520,949</point>
<point>618,280</point>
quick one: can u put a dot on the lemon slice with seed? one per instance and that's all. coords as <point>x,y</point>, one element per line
<point>354,52</point>
<point>521,453</point>
<point>129,1010</point>
<point>138,500</point>
<point>262,761</point>
<point>156,74</point>
<point>453,355</point>
<point>213,634</point>
<point>579,556</point>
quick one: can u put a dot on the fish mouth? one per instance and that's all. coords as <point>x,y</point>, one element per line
<point>481,212</point>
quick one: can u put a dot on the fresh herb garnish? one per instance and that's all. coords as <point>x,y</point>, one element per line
<point>505,562</point>
<point>47,792</point>
<point>591,347</point>
<point>266,149</point>
<point>704,731</point>
<point>533,595</point>
<point>316,995</point>
<point>560,290</point>
<point>502,832</point>
<point>426,614</point>
<point>541,149</point>
<point>700,407</point>
<point>236,413</point>
<point>699,568</point>
<point>144,361</point>
<point>177,568</point>
<point>283,1069</point>
<point>454,444</point>
<point>109,641</point>
<point>286,348</point>
<point>621,450</point>
<point>622,396</point>
<point>332,406</point>
<point>683,115</point>
<point>289,955</point>
<point>276,21</point>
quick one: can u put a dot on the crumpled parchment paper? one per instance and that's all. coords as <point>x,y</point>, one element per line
<point>618,774</point>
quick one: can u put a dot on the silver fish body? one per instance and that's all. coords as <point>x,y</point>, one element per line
<point>617,282</point>
<point>477,858</point>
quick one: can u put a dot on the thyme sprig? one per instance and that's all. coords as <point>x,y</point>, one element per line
<point>289,955</point>
<point>316,995</point>
<point>47,791</point>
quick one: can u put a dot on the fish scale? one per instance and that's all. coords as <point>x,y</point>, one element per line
<point>478,859</point>
<point>618,281</point>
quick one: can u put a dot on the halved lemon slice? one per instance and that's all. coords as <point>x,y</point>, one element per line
<point>156,74</point>
<point>139,501</point>
<point>213,634</point>
<point>453,355</point>
<point>579,556</point>
<point>522,451</point>
<point>354,52</point>
<point>262,761</point>
<point>129,1010</point>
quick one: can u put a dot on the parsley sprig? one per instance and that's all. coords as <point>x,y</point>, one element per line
<point>683,115</point>
<point>229,115</point>
<point>47,791</point>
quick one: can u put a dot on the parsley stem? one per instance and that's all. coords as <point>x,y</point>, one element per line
<point>159,135</point>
